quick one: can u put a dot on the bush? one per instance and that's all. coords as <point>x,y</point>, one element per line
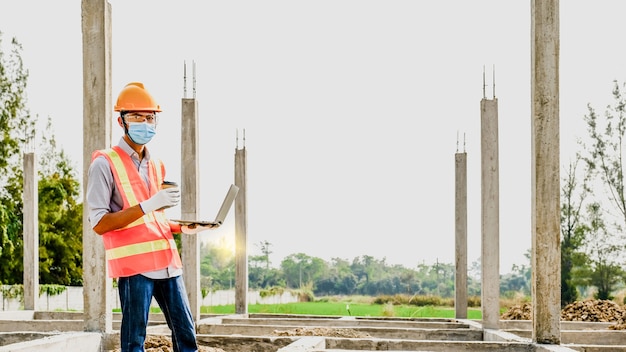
<point>518,300</point>
<point>473,301</point>
<point>415,300</point>
<point>272,291</point>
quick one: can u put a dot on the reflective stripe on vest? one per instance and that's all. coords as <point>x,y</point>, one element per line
<point>147,243</point>
<point>124,182</point>
<point>139,248</point>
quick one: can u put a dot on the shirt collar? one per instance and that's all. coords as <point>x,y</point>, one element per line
<point>131,152</point>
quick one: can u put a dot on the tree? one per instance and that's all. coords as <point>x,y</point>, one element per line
<point>217,266</point>
<point>16,124</point>
<point>603,255</point>
<point>518,280</point>
<point>60,218</point>
<point>573,230</point>
<point>368,268</point>
<point>300,269</point>
<point>436,280</point>
<point>474,284</point>
<point>16,128</point>
<point>605,154</point>
<point>265,249</point>
<point>60,214</point>
<point>338,280</point>
<point>605,161</point>
<point>260,274</point>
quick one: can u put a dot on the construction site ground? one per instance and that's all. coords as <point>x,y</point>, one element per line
<point>589,326</point>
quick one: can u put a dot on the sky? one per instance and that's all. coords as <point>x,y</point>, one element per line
<point>352,110</point>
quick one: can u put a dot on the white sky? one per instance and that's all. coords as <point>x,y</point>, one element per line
<point>351,109</point>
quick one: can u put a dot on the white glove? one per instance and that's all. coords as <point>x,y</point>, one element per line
<point>194,229</point>
<point>165,198</point>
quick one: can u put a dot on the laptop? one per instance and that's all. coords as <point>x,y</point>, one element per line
<point>221,214</point>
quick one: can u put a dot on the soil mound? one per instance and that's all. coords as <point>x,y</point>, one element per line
<point>588,310</point>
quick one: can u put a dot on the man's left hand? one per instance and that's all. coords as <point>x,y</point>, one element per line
<point>195,228</point>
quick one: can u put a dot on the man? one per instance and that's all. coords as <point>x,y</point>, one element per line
<point>126,205</point>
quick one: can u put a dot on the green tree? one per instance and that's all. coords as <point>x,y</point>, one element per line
<point>573,230</point>
<point>16,128</point>
<point>60,214</point>
<point>605,273</point>
<point>473,278</point>
<point>256,273</point>
<point>265,249</point>
<point>338,280</point>
<point>605,162</point>
<point>16,124</point>
<point>368,270</point>
<point>217,266</point>
<point>260,274</point>
<point>518,280</point>
<point>300,269</point>
<point>60,217</point>
<point>605,154</point>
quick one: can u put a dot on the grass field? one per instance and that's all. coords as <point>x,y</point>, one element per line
<point>346,309</point>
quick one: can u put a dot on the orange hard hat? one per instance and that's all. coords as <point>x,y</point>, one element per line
<point>134,97</point>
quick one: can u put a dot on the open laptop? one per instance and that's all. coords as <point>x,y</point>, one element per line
<point>221,214</point>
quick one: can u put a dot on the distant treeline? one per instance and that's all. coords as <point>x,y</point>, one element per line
<point>364,275</point>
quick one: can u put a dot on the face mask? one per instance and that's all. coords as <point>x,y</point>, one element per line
<point>141,132</point>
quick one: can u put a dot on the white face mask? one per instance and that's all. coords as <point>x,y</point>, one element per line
<point>141,132</point>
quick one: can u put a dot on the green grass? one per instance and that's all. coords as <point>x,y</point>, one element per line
<point>340,309</point>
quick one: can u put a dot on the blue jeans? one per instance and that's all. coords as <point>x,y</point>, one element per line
<point>136,294</point>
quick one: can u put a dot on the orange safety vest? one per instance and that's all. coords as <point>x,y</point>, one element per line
<point>146,244</point>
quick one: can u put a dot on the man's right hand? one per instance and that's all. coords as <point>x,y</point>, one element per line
<point>165,198</point>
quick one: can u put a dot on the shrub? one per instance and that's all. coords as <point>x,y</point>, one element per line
<point>473,301</point>
<point>415,300</point>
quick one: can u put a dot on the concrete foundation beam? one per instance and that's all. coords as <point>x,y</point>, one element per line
<point>59,343</point>
<point>308,343</point>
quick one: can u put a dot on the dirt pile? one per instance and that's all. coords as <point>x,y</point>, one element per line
<point>593,310</point>
<point>589,311</point>
<point>518,312</point>
<point>156,343</point>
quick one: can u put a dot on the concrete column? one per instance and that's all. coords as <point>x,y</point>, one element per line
<point>460,220</point>
<point>190,202</point>
<point>545,176</point>
<point>490,206</point>
<point>241,233</point>
<point>97,113</point>
<point>31,232</point>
